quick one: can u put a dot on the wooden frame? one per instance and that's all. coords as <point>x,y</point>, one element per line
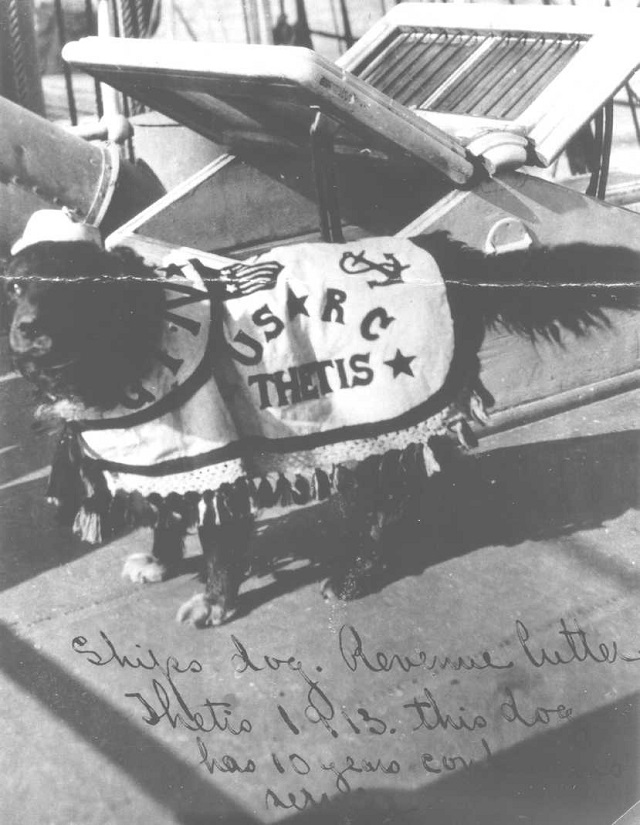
<point>242,93</point>
<point>608,58</point>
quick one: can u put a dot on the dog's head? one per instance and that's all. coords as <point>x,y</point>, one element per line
<point>85,322</point>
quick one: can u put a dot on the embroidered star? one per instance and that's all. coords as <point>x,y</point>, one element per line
<point>295,304</point>
<point>400,364</point>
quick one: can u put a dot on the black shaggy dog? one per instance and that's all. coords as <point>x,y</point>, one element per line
<point>86,325</point>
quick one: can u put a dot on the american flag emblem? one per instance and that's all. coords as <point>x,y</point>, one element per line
<point>243,279</point>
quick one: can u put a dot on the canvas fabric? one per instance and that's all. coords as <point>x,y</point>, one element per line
<point>288,370</point>
<point>324,352</point>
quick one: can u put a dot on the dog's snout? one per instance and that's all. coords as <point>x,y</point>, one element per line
<point>26,335</point>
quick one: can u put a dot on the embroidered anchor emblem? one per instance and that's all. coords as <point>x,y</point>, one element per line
<point>391,268</point>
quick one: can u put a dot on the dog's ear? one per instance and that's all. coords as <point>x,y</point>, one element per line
<point>56,261</point>
<point>75,261</point>
<point>131,263</point>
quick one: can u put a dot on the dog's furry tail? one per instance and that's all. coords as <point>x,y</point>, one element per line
<point>538,292</point>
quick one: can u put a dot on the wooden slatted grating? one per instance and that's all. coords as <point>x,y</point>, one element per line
<point>489,74</point>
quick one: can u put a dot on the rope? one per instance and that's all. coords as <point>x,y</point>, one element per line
<point>141,17</point>
<point>127,20</point>
<point>17,55</point>
<point>71,100</point>
<point>91,28</point>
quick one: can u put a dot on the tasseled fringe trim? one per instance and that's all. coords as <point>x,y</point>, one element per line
<point>85,502</point>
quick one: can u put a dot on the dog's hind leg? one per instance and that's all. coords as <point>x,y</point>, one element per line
<point>382,491</point>
<point>362,517</point>
<point>225,551</point>
<point>166,552</point>
<point>358,569</point>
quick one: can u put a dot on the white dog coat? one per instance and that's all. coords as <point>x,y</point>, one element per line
<point>316,356</point>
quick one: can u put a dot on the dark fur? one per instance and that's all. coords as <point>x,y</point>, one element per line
<point>102,311</point>
<point>86,323</point>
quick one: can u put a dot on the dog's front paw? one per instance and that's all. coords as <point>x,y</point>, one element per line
<point>354,582</point>
<point>341,588</point>
<point>142,568</point>
<point>199,612</point>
